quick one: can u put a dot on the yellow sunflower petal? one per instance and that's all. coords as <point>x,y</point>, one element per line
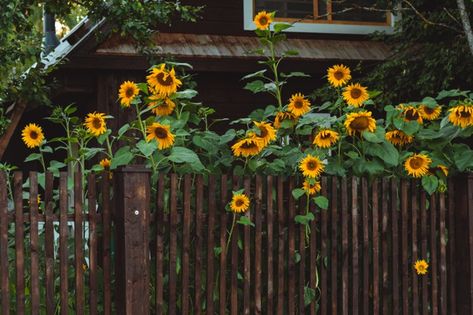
<point>355,95</point>
<point>311,166</point>
<point>240,203</point>
<point>298,105</point>
<point>326,138</point>
<point>356,123</point>
<point>32,135</point>
<point>262,20</point>
<point>95,123</point>
<point>162,134</point>
<point>127,93</point>
<point>338,75</point>
<point>417,165</point>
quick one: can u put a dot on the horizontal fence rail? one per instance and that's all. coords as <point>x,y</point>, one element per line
<point>103,244</point>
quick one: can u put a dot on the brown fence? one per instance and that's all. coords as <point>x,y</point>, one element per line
<point>166,251</point>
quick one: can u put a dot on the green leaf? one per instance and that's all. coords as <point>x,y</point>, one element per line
<point>147,148</point>
<point>255,86</point>
<point>430,183</point>
<point>56,165</point>
<point>46,149</point>
<point>304,219</point>
<point>463,156</point>
<point>244,220</point>
<point>123,129</point>
<point>33,157</point>
<point>122,157</point>
<point>385,151</point>
<point>186,94</point>
<point>372,137</point>
<point>279,27</point>
<point>321,201</point>
<point>254,74</point>
<point>294,74</point>
<point>297,193</point>
<point>429,102</point>
<point>184,155</point>
<point>309,295</point>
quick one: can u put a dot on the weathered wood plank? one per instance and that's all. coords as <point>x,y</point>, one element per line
<point>49,244</point>
<point>366,246</point>
<point>291,274</point>
<point>443,255</point>
<point>198,244</point>
<point>34,243</point>
<point>78,243</point>
<point>63,234</point>
<point>424,249</point>
<point>451,248</point>
<point>375,233</point>
<point>93,281</point>
<point>269,246</point>
<point>258,245</point>
<point>433,254</point>
<point>160,227</point>
<point>386,297</point>
<point>234,261</point>
<point>281,247</point>
<point>355,247</point>
<point>345,253</point>
<point>395,245</point>
<point>223,245</point>
<point>405,247</point>
<point>106,244</point>
<point>173,246</point>
<point>334,244</point>
<point>19,242</point>
<point>5,283</point>
<point>415,253</point>
<point>210,245</point>
<point>186,244</point>
<point>324,308</point>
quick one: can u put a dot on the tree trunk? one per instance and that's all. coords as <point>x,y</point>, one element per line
<point>466,24</point>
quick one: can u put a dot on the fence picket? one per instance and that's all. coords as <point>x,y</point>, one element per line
<point>433,253</point>
<point>258,244</point>
<point>210,245</point>
<point>160,226</point>
<point>414,210</point>
<point>49,244</point>
<point>375,233</point>
<point>366,245</point>
<point>106,243</point>
<point>281,247</point>
<point>385,246</point>
<point>404,247</point>
<point>451,249</point>
<point>92,203</point>
<point>313,257</point>
<point>302,254</point>
<point>355,246</point>
<point>79,253</point>
<point>223,245</point>
<point>291,274</point>
<point>186,244</point>
<point>334,244</point>
<point>324,254</point>
<point>345,254</point>
<point>34,243</point>
<point>173,246</point>
<point>424,240</point>
<point>395,244</point>
<point>63,255</point>
<point>19,242</point>
<point>199,240</point>
<point>4,287</point>
<point>443,255</point>
<point>234,261</point>
<point>269,246</point>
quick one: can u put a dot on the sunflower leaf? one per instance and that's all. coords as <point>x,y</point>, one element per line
<point>33,157</point>
<point>463,156</point>
<point>429,102</point>
<point>279,27</point>
<point>184,155</point>
<point>321,201</point>
<point>297,193</point>
<point>430,184</point>
<point>147,148</point>
<point>244,220</point>
<point>304,219</point>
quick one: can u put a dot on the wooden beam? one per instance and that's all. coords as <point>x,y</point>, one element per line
<point>18,110</point>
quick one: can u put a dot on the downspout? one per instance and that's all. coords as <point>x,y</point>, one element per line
<point>50,40</point>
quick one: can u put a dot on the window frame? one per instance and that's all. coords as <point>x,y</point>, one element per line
<point>322,26</point>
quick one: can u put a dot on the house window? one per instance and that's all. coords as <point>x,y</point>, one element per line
<point>323,16</point>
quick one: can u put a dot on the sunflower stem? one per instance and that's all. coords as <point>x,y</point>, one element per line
<point>230,234</point>
<point>274,68</point>
<point>143,131</point>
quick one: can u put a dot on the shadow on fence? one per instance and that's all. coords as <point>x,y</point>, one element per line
<point>124,246</point>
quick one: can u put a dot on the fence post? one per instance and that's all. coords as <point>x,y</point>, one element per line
<point>132,196</point>
<point>464,243</point>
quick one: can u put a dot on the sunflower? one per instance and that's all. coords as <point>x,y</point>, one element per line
<point>461,115</point>
<point>311,187</point>
<point>105,163</point>
<point>162,134</point>
<point>338,75</point>
<point>398,137</point>
<point>32,135</point>
<point>162,81</point>
<point>161,107</point>
<point>441,168</point>
<point>298,105</point>
<point>359,122</point>
<point>282,116</point>
<point>410,113</point>
<point>95,123</point>
<point>430,113</point>
<point>421,267</point>
<point>247,147</point>
<point>263,20</point>
<point>417,165</point>
<point>128,91</point>
<point>267,132</point>
<point>355,94</point>
<point>239,203</point>
<point>311,166</point>
<point>326,138</point>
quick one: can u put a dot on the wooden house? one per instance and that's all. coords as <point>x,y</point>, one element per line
<point>93,63</point>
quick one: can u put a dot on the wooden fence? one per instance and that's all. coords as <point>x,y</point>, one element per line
<point>130,247</point>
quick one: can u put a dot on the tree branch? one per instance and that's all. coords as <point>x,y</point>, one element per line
<point>466,23</point>
<point>427,21</point>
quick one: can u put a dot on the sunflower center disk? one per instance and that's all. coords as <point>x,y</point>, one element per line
<point>355,93</point>
<point>298,104</point>
<point>428,110</point>
<point>360,123</point>
<point>412,114</point>
<point>248,146</point>
<point>164,79</point>
<point>416,163</point>
<point>160,133</point>
<point>97,123</point>
<point>129,92</point>
<point>311,165</point>
<point>239,203</point>
<point>263,21</point>
<point>338,75</point>
<point>33,135</point>
<point>263,132</point>
<point>464,114</point>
